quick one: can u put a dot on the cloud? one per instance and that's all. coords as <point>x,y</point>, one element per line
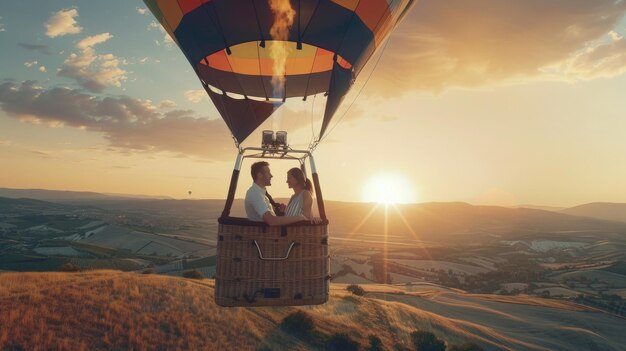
<point>602,61</point>
<point>195,96</point>
<point>442,44</point>
<point>130,125</point>
<point>63,23</point>
<point>615,36</point>
<point>41,154</point>
<point>89,42</point>
<point>167,104</point>
<point>31,64</point>
<point>93,71</point>
<point>167,40</point>
<point>35,47</point>
<point>2,26</point>
<point>143,60</point>
<point>142,10</point>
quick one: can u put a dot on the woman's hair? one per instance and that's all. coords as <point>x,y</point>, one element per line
<point>298,175</point>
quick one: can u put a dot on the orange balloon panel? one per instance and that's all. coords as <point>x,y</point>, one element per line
<point>250,59</point>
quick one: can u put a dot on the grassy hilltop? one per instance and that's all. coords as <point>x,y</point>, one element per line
<point>117,310</point>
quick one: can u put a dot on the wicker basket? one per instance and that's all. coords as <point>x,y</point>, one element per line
<point>259,265</point>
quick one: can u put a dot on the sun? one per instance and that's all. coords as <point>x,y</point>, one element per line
<point>389,188</point>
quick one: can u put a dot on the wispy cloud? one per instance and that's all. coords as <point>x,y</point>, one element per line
<point>35,47</point>
<point>19,148</point>
<point>63,23</point>
<point>167,40</point>
<point>130,125</point>
<point>93,71</point>
<point>602,61</point>
<point>195,96</point>
<point>41,154</point>
<point>167,104</point>
<point>142,10</point>
<point>32,64</point>
<point>90,41</point>
<point>442,44</point>
<point>2,25</point>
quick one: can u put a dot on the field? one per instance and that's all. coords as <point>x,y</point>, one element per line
<point>140,242</point>
<point>478,249</point>
<point>113,310</point>
<point>457,268</point>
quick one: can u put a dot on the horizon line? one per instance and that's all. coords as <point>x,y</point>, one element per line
<point>167,197</point>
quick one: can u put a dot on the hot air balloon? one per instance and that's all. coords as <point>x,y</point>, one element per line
<point>251,56</point>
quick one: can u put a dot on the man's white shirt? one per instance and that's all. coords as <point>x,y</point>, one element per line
<point>257,203</point>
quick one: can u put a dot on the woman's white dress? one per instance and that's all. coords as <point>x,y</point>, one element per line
<point>296,205</point>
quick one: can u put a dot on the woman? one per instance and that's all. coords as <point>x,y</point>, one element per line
<point>301,202</point>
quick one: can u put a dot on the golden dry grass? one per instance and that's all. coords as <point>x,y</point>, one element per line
<point>126,311</point>
<point>115,310</point>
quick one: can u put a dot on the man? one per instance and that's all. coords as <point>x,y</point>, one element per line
<point>258,205</point>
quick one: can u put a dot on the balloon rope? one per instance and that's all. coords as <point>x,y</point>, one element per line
<point>355,98</point>
<point>312,128</point>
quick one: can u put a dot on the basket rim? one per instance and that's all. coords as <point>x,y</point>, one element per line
<point>242,221</point>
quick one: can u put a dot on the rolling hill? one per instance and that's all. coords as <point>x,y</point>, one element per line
<point>600,210</point>
<point>435,221</point>
<point>115,310</point>
<point>459,222</point>
<point>24,205</point>
<point>60,195</point>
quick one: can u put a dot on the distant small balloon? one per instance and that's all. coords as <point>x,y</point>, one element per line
<point>189,192</point>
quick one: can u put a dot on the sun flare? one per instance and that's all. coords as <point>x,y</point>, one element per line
<point>389,188</point>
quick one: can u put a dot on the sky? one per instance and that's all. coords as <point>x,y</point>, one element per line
<point>491,102</point>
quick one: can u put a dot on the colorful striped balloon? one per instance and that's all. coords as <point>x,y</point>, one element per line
<point>229,44</point>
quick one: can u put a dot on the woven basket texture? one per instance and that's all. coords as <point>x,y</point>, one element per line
<point>295,268</point>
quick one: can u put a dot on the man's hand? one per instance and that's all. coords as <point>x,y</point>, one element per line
<point>316,220</point>
<point>282,207</point>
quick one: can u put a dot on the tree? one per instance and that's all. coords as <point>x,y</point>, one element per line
<point>355,289</point>
<point>375,343</point>
<point>298,323</point>
<point>193,274</point>
<point>427,341</point>
<point>341,342</point>
<point>399,347</point>
<point>467,346</point>
<point>70,267</point>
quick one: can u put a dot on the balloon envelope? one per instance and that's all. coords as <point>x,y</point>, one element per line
<point>228,43</point>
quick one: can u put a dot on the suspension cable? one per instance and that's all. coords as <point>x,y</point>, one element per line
<point>318,140</point>
<point>312,116</point>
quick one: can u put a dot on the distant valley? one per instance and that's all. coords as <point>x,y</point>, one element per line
<point>477,249</point>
